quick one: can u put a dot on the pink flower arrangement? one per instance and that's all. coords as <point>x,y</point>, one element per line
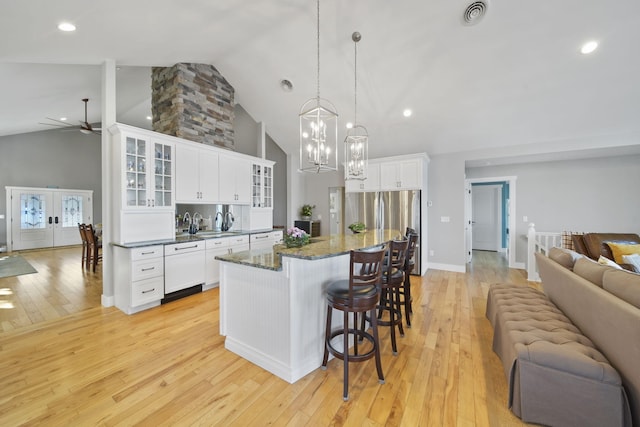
<point>295,237</point>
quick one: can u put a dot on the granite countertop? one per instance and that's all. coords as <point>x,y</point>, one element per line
<point>320,247</point>
<point>185,237</point>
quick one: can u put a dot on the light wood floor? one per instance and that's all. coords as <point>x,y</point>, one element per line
<point>67,361</point>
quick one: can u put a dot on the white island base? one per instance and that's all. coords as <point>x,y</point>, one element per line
<point>276,319</point>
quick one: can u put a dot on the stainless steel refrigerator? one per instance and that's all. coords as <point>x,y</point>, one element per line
<point>386,210</point>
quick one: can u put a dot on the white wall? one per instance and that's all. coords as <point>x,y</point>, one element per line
<point>599,195</point>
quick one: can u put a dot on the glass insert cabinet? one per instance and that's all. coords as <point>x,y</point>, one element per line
<point>44,217</point>
<point>262,186</point>
<point>149,171</point>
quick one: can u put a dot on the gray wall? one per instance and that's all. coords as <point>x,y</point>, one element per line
<point>247,138</point>
<point>65,159</point>
<point>599,195</point>
<point>446,192</point>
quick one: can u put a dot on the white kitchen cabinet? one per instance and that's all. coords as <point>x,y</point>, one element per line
<point>139,278</point>
<point>148,169</point>
<point>372,183</point>
<point>184,265</point>
<point>197,178</point>
<point>143,168</point>
<point>235,180</point>
<point>261,210</point>
<point>221,246</point>
<point>401,175</point>
<point>262,185</point>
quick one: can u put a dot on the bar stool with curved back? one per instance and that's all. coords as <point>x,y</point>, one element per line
<point>405,288</point>
<point>358,294</point>
<point>85,245</point>
<point>95,247</point>
<point>392,278</point>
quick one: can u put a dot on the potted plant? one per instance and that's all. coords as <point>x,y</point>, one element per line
<point>306,211</point>
<point>295,238</point>
<point>357,227</point>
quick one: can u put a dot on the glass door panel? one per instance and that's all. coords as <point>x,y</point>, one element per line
<point>32,226</point>
<point>162,174</point>
<point>136,167</point>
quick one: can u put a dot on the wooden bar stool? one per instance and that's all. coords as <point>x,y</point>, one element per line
<point>392,279</point>
<point>358,294</point>
<point>405,288</point>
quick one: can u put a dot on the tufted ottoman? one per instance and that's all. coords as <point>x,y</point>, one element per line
<point>555,374</point>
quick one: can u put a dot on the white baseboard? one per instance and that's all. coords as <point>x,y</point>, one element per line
<point>447,267</point>
<point>519,266</point>
<point>107,301</point>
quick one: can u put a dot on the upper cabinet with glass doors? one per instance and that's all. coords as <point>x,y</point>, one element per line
<point>262,185</point>
<point>149,172</point>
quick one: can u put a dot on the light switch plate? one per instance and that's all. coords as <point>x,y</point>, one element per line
<point>444,219</point>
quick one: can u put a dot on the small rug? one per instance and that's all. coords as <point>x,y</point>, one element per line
<point>14,265</point>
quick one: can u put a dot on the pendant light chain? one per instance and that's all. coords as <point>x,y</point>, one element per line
<point>318,44</point>
<point>355,79</point>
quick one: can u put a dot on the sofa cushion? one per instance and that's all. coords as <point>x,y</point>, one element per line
<point>633,260</point>
<point>591,270</point>
<point>619,249</point>
<point>623,284</point>
<point>606,261</point>
<point>564,257</point>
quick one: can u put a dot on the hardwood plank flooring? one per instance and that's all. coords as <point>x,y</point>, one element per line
<point>65,360</point>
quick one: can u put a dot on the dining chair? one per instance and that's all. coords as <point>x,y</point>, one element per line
<point>94,247</point>
<point>85,245</point>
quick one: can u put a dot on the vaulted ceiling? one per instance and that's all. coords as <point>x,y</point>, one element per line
<point>515,82</point>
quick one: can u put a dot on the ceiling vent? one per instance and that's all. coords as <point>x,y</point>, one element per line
<point>474,12</point>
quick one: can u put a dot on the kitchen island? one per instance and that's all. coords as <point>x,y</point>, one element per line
<point>273,301</point>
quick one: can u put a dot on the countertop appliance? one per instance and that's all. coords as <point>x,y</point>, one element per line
<point>386,210</point>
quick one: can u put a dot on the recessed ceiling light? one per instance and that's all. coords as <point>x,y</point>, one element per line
<point>66,26</point>
<point>407,112</point>
<point>149,117</point>
<point>286,85</point>
<point>349,125</point>
<point>62,119</point>
<point>589,47</point>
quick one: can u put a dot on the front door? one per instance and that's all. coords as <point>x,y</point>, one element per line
<point>31,219</point>
<point>42,218</point>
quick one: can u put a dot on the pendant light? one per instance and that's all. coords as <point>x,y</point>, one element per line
<point>318,127</point>
<point>356,144</point>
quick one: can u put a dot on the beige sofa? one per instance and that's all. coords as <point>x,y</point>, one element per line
<point>571,354</point>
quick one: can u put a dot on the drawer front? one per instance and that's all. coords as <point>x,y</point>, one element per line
<point>222,242</point>
<point>146,269</point>
<point>183,248</point>
<point>147,252</point>
<point>260,237</point>
<point>239,240</point>
<point>146,291</point>
<point>276,236</point>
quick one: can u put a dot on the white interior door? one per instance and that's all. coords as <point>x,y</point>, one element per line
<point>486,200</point>
<point>31,218</point>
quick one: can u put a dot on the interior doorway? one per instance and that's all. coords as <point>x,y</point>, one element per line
<point>486,220</point>
<point>503,213</point>
<point>336,211</point>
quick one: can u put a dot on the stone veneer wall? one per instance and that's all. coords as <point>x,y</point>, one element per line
<point>194,102</point>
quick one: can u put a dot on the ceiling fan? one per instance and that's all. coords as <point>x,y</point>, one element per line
<point>85,127</point>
